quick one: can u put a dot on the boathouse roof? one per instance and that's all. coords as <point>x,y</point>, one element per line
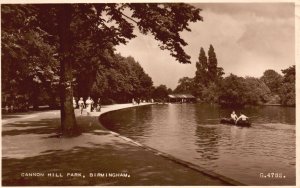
<point>181,96</point>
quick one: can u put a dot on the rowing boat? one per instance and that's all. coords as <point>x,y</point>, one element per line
<point>232,122</point>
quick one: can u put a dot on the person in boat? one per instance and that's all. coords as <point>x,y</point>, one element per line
<point>242,118</point>
<point>234,116</point>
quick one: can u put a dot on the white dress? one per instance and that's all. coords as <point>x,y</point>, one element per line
<point>88,104</point>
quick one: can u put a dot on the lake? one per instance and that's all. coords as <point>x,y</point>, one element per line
<point>192,132</point>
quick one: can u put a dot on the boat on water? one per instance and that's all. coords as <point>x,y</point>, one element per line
<point>232,122</point>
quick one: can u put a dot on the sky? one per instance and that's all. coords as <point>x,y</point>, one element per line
<point>248,39</point>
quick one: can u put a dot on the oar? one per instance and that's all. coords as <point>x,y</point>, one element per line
<point>212,119</point>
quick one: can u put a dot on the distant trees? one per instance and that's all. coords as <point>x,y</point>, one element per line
<point>120,81</point>
<point>208,85</point>
<point>161,93</point>
<point>208,76</point>
<point>238,91</point>
<point>271,88</point>
<point>215,73</point>
<point>287,90</point>
<point>185,85</point>
<point>273,80</point>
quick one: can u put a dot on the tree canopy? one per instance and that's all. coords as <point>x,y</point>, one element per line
<point>208,85</point>
<point>287,89</point>
<point>73,45</point>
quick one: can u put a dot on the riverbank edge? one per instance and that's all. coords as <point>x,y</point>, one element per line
<point>168,156</point>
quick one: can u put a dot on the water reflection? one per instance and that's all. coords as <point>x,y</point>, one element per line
<point>192,132</point>
<point>207,140</point>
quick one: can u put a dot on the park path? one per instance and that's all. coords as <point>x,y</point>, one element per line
<point>30,145</point>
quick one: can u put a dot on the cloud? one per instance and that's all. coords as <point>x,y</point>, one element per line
<point>266,10</point>
<point>248,39</point>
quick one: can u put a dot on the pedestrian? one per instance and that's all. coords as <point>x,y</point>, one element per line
<point>138,101</point>
<point>81,105</point>
<point>6,109</point>
<point>11,108</point>
<point>98,109</point>
<point>88,104</point>
<point>133,101</point>
<point>92,104</point>
<point>74,103</point>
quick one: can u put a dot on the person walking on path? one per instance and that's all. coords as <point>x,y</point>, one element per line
<point>92,105</point>
<point>98,108</point>
<point>81,105</point>
<point>74,103</point>
<point>88,104</point>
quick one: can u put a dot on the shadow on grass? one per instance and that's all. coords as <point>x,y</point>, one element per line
<point>43,126</point>
<point>86,124</point>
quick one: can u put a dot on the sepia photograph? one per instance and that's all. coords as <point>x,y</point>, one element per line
<point>148,94</point>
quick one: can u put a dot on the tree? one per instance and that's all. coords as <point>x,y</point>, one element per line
<point>208,75</point>
<point>239,91</point>
<point>233,91</point>
<point>215,73</point>
<point>256,91</point>
<point>211,93</point>
<point>185,85</point>
<point>29,66</point>
<point>201,76</point>
<point>202,68</point>
<point>287,89</point>
<point>160,92</point>
<point>272,79</point>
<point>70,25</point>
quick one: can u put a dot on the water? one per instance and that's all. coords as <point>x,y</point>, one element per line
<point>192,132</point>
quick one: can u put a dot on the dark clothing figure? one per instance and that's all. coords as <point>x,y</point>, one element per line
<point>138,101</point>
<point>98,108</point>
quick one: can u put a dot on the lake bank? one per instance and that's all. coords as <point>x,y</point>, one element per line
<point>97,157</point>
<point>193,133</point>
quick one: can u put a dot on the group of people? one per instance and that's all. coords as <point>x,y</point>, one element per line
<point>138,101</point>
<point>89,105</point>
<point>242,117</point>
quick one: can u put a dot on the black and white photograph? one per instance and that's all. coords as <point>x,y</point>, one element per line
<point>149,93</point>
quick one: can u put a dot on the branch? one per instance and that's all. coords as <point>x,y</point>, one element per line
<point>129,18</point>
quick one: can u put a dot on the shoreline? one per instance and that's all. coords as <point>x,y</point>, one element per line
<point>31,141</point>
<point>170,157</point>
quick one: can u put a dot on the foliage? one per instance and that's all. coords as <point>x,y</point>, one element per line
<point>257,92</point>
<point>272,79</point>
<point>123,81</point>
<point>211,93</point>
<point>232,91</point>
<point>76,41</point>
<point>160,92</point>
<point>241,91</point>
<point>29,66</point>
<point>287,89</point>
<point>185,85</point>
<point>205,85</point>
<point>215,73</point>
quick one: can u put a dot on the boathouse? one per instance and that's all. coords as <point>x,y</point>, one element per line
<point>181,98</point>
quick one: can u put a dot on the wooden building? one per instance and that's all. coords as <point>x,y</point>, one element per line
<point>181,98</point>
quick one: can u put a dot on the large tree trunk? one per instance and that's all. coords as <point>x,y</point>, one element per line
<point>68,121</point>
